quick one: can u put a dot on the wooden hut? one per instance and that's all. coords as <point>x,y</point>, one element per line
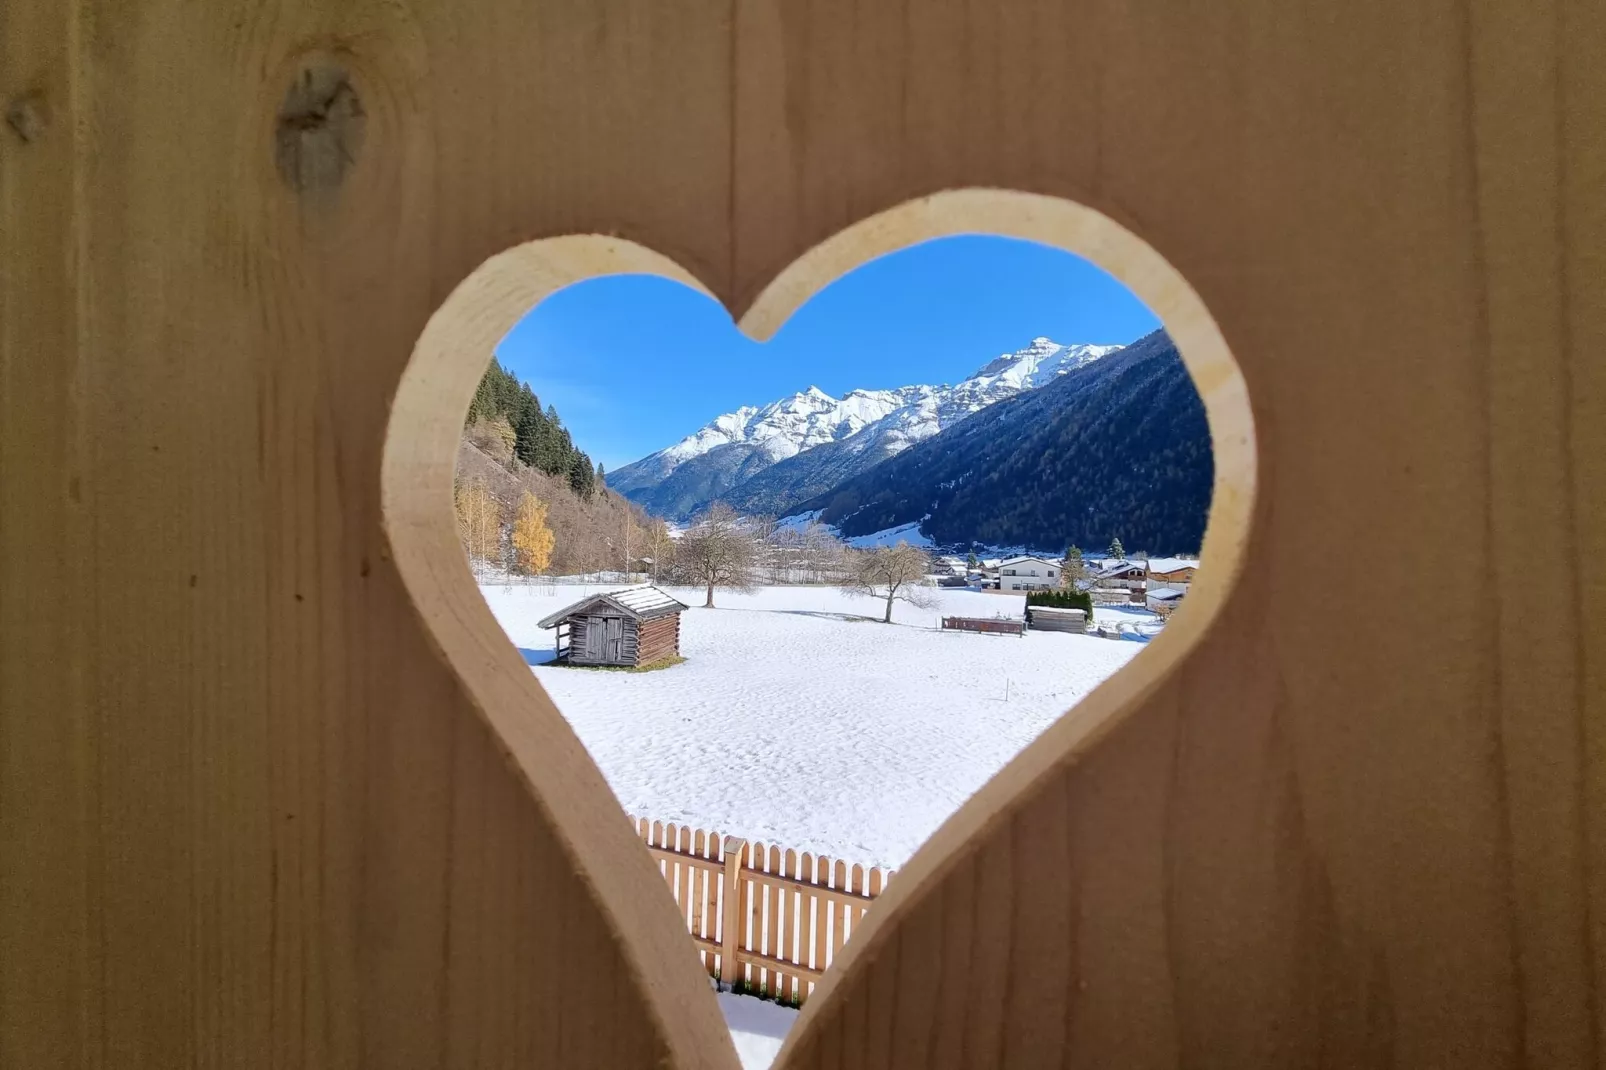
<point>629,628</point>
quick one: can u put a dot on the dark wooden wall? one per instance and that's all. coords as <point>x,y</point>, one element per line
<point>659,638</point>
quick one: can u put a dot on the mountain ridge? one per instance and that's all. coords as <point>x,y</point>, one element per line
<point>731,458</point>
<point>1118,449</point>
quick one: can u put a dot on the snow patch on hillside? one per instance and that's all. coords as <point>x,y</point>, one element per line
<point>909,533</point>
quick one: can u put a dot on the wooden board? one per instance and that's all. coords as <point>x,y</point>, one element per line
<point>276,791</point>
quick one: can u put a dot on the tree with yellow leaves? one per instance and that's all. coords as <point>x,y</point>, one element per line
<point>479,522</point>
<point>532,539</point>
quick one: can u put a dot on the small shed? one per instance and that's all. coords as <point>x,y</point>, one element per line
<point>1056,619</point>
<point>628,628</point>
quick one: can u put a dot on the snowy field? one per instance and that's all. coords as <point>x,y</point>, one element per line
<point>796,720</point>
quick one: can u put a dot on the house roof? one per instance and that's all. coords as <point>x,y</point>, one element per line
<point>1166,595</point>
<point>642,603</point>
<point>1119,566</point>
<point>1171,564</point>
<point>1029,557</point>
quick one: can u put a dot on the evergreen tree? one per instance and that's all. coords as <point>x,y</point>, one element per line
<point>521,402</point>
<point>1116,549</point>
<point>580,475</point>
<point>527,437</point>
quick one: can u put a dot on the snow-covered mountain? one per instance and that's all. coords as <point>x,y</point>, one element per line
<point>1120,448</point>
<point>765,459</point>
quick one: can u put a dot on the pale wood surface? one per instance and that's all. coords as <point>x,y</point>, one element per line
<point>262,803</point>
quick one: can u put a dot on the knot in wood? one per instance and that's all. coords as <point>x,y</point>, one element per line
<point>26,115</point>
<point>320,128</point>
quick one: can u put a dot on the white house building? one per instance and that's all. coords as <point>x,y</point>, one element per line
<point>1028,574</point>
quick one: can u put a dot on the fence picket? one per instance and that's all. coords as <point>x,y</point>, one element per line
<point>781,922</point>
<point>839,910</point>
<point>761,938</point>
<point>746,934</point>
<point>700,900</point>
<point>805,924</point>
<point>805,920</point>
<point>822,924</point>
<point>688,911</point>
<point>857,888</point>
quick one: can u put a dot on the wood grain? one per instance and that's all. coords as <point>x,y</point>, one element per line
<point>276,791</point>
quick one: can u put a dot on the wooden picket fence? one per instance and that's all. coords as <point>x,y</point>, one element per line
<point>789,918</point>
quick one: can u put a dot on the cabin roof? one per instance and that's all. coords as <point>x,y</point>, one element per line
<point>642,603</point>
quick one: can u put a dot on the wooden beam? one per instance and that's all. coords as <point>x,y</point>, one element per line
<point>669,853</point>
<point>770,962</point>
<point>834,894</point>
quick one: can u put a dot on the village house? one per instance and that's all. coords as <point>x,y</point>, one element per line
<point>984,574</point>
<point>1164,601</point>
<point>1130,575</point>
<point>1170,573</point>
<point>1028,574</point>
<point>627,629</point>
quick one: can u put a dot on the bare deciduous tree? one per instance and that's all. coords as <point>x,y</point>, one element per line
<point>479,521</point>
<point>891,572</point>
<point>718,551</point>
<point>660,547</point>
<point>824,555</point>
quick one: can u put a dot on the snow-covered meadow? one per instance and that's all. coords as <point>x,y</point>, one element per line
<point>797,720</point>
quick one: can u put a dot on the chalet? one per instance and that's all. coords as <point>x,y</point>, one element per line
<point>1130,575</point>
<point>1028,574</point>
<point>1164,601</point>
<point>627,628</point>
<point>1171,573</point>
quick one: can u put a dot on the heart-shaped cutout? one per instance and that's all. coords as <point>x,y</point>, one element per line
<point>421,446</point>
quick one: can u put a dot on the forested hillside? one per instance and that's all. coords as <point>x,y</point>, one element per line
<point>1117,448</point>
<point>538,439</point>
<point>529,500</point>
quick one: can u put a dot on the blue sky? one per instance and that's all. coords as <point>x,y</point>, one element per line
<point>634,362</point>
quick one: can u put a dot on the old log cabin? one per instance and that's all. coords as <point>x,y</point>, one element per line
<point>631,628</point>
